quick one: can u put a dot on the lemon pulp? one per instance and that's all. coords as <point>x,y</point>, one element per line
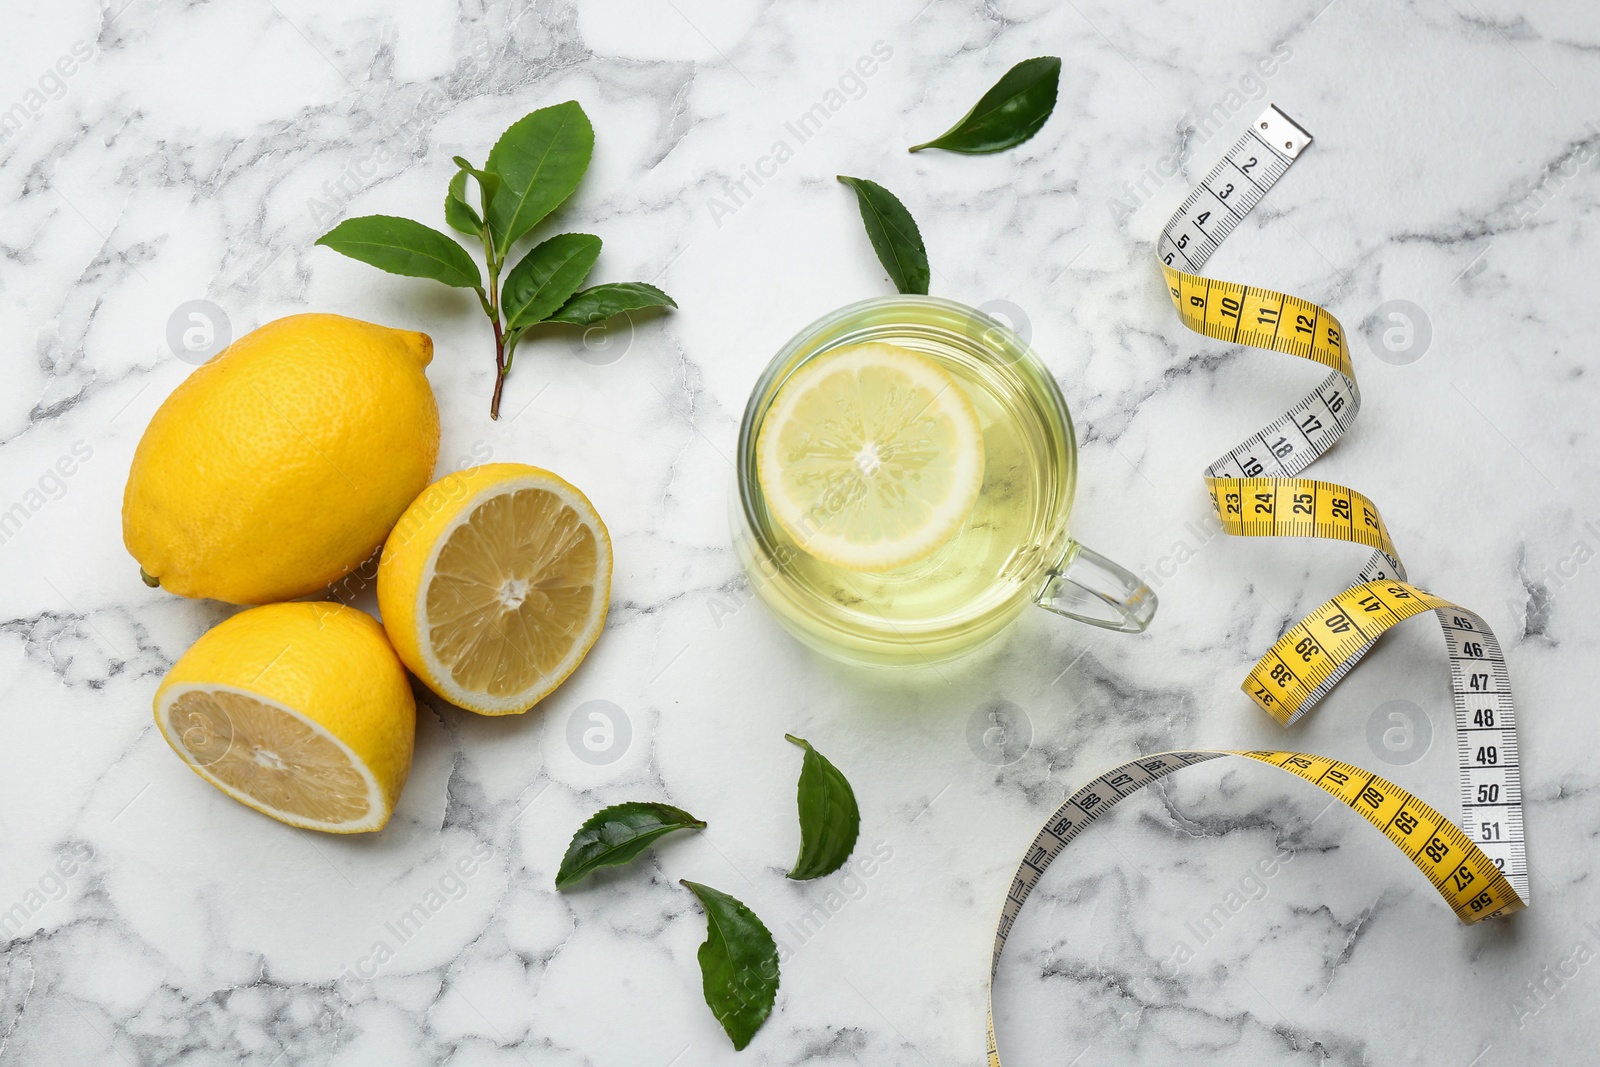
<point>271,757</point>
<point>512,592</point>
<point>870,457</point>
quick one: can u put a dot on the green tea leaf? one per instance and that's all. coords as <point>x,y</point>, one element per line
<point>894,235</point>
<point>457,212</point>
<point>603,301</point>
<point>540,161</point>
<point>613,836</point>
<point>1009,113</point>
<point>738,964</point>
<point>544,278</point>
<point>488,182</point>
<point>829,818</point>
<point>401,246</point>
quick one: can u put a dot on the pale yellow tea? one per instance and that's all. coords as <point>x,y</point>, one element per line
<point>977,545</point>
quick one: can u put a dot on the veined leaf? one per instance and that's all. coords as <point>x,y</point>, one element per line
<point>603,301</point>
<point>738,964</point>
<point>1009,113</point>
<point>457,212</point>
<point>401,246</point>
<point>488,182</point>
<point>544,278</point>
<point>540,159</point>
<point>613,836</point>
<point>829,818</point>
<point>894,235</point>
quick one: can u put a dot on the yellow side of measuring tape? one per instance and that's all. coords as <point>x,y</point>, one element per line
<point>1479,867</point>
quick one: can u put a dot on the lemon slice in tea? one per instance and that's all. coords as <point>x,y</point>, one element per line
<point>494,584</point>
<point>870,457</point>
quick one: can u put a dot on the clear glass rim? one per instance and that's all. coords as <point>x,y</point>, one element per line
<point>1041,382</point>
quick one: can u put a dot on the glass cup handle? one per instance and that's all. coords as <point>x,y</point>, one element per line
<point>1090,588</point>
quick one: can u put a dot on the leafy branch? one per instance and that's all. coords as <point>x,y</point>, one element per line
<point>534,167</point>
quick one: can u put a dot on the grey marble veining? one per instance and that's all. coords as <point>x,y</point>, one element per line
<point>155,153</point>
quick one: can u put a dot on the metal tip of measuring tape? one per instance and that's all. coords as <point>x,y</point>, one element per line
<point>1281,133</point>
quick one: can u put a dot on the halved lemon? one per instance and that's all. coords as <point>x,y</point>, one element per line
<point>300,711</point>
<point>870,457</point>
<point>494,585</point>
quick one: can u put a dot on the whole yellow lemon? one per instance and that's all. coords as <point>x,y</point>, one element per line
<point>281,464</point>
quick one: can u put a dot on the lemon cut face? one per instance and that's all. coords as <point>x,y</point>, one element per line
<point>871,457</point>
<point>495,585</point>
<point>511,596</point>
<point>270,757</point>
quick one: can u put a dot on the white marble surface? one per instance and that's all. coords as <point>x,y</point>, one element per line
<point>199,149</point>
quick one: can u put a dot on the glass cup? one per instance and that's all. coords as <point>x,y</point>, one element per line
<point>1012,551</point>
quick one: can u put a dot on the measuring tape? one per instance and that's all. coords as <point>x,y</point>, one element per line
<point>1479,867</point>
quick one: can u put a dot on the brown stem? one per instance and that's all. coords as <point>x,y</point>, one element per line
<point>491,306</point>
<point>499,368</point>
